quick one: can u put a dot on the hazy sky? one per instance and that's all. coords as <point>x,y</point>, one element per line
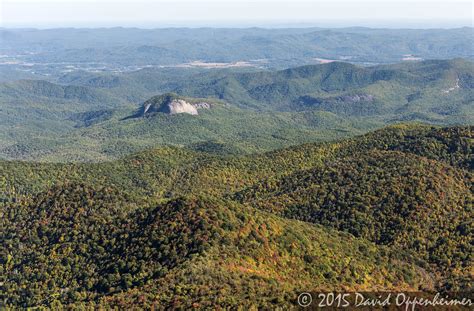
<point>156,13</point>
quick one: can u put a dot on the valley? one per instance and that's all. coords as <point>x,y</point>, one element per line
<point>53,52</point>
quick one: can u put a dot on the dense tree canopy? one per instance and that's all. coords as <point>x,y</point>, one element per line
<point>176,227</point>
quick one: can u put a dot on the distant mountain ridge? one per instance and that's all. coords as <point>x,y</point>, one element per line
<point>40,89</point>
<point>282,89</point>
<point>278,108</point>
<point>275,48</point>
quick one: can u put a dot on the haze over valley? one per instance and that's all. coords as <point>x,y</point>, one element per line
<point>54,52</point>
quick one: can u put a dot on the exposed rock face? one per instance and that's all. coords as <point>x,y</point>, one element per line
<point>202,105</point>
<point>356,98</point>
<point>171,103</point>
<point>146,108</point>
<point>361,104</point>
<point>344,99</point>
<point>179,106</point>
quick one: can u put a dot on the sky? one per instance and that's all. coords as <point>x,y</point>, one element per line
<point>232,13</point>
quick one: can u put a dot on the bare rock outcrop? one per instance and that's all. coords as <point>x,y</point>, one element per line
<point>179,106</point>
<point>171,103</point>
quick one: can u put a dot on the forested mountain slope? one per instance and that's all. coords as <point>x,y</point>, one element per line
<point>95,251</point>
<point>389,210</point>
<point>90,119</point>
<point>171,168</point>
<point>346,88</point>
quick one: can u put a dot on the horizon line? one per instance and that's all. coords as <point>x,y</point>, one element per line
<point>266,24</point>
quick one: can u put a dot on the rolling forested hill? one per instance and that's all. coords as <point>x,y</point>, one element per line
<point>181,227</point>
<point>88,117</point>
